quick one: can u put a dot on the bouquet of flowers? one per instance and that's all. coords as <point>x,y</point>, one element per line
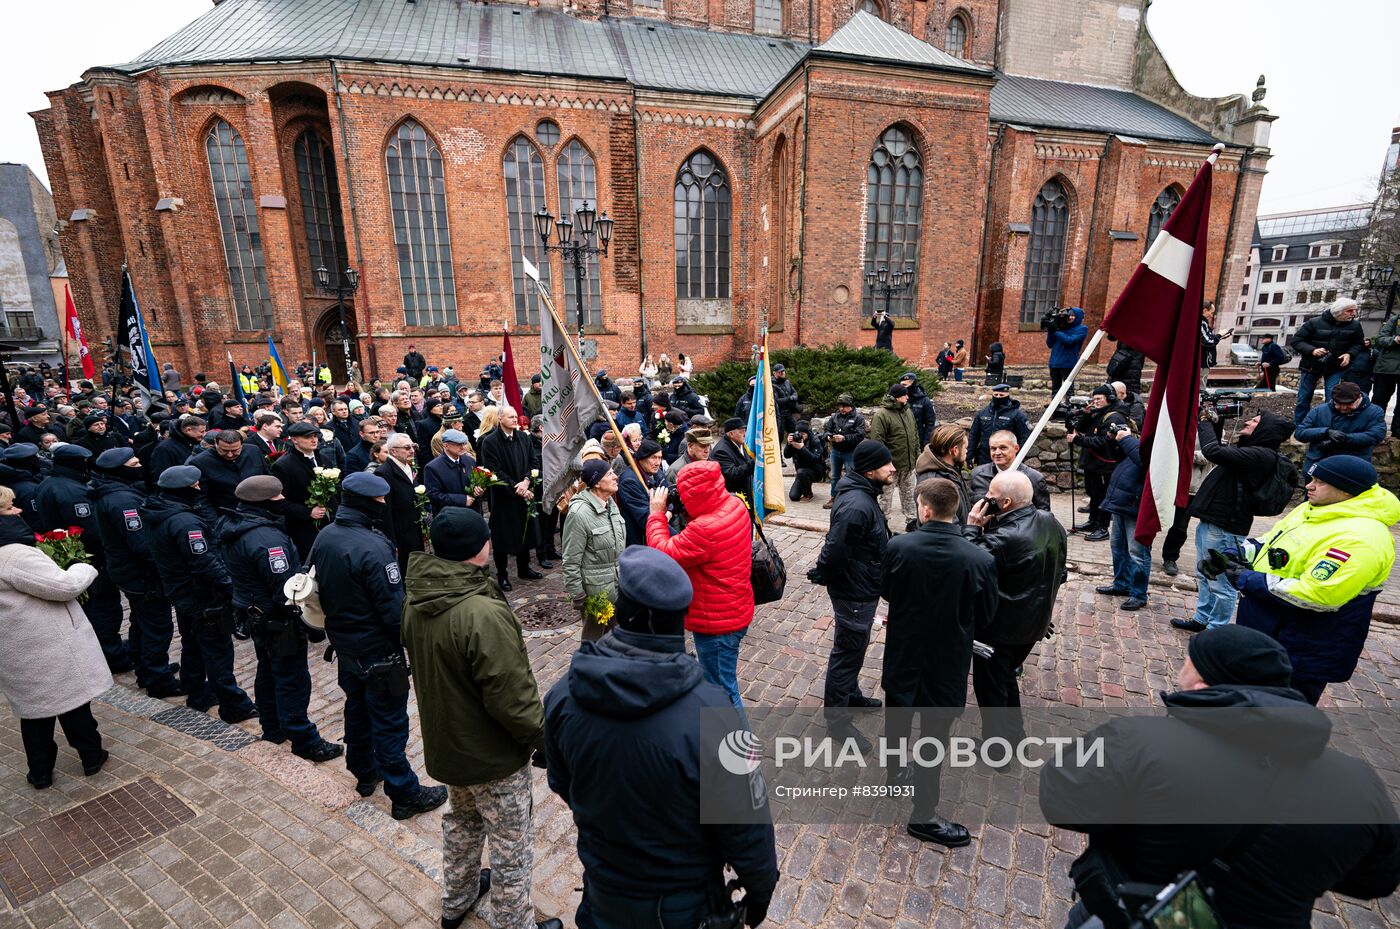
<point>532,506</point>
<point>325,484</point>
<point>273,456</point>
<point>65,547</point>
<point>598,608</point>
<point>425,514</point>
<point>484,478</point>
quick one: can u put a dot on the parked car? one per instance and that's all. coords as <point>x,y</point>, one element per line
<point>1242,354</point>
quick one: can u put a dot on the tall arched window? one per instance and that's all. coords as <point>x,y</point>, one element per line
<point>238,225</point>
<point>702,229</point>
<point>894,192</point>
<point>873,7</point>
<point>955,37</point>
<point>1045,253</point>
<point>320,204</point>
<point>577,185</point>
<point>768,16</point>
<point>1162,209</point>
<point>418,201</point>
<point>524,172</point>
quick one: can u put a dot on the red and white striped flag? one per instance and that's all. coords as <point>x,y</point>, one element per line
<point>1158,313</point>
<point>74,334</point>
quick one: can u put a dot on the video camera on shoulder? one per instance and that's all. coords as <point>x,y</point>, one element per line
<point>1070,409</point>
<point>1059,317</point>
<point>1225,404</point>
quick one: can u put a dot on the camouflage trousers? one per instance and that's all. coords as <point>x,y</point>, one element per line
<point>499,811</point>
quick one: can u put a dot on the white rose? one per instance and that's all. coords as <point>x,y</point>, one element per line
<point>535,472</point>
<point>332,473</point>
<point>318,471</point>
<point>420,489</point>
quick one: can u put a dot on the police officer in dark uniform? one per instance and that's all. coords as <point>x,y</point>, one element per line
<point>19,471</point>
<point>118,490</point>
<point>260,557</point>
<point>181,526</point>
<point>62,501</point>
<point>361,588</point>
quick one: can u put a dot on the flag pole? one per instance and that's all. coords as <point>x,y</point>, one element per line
<point>612,423</point>
<point>67,377</point>
<point>1059,397</point>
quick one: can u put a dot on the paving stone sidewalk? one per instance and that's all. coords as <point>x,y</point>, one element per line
<point>275,841</point>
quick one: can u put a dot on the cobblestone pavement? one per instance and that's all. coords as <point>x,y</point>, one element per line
<point>278,842</point>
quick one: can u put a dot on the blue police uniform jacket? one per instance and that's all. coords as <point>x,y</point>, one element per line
<point>361,587</point>
<point>183,542</point>
<point>259,556</point>
<point>130,563</point>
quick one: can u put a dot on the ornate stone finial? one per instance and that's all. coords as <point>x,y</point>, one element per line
<point>1259,90</point>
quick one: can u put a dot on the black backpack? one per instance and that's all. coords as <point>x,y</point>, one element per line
<point>1272,495</point>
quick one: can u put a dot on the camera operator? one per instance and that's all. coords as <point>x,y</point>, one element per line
<point>1347,424</point>
<point>806,452</point>
<point>1325,345</point>
<point>844,430</point>
<point>1220,504</point>
<point>1210,339</point>
<point>1065,333</point>
<point>1094,434</point>
<point>1029,547</point>
<point>1169,799</point>
<point>884,331</point>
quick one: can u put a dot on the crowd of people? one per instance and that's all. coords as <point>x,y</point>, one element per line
<point>403,502</point>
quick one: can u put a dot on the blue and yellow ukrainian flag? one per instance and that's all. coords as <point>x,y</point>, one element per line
<point>279,373</point>
<point>761,440</point>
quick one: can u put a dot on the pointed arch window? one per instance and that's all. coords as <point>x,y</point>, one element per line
<point>702,229</point>
<point>955,36</point>
<point>238,226</point>
<point>1045,253</point>
<point>768,16</point>
<point>524,173</point>
<point>320,204</point>
<point>577,185</point>
<point>1162,209</point>
<point>418,202</point>
<point>893,210</point>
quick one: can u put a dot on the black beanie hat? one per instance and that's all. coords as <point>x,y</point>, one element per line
<point>870,455</point>
<point>458,533</point>
<point>1106,391</point>
<point>1234,654</point>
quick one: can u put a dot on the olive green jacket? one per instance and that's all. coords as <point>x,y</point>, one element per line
<point>594,537</point>
<point>478,702</point>
<point>893,426</point>
<point>1388,341</point>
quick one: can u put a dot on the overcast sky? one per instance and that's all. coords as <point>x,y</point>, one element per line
<point>1331,75</point>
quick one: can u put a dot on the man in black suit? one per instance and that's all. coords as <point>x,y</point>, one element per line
<point>266,434</point>
<point>734,461</point>
<point>295,470</point>
<point>400,519</point>
<point>447,476</point>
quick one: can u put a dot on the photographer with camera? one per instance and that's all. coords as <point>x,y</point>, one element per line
<point>1171,796</point>
<point>1222,503</point>
<point>1065,333</point>
<point>844,429</point>
<point>1094,433</point>
<point>1325,345</point>
<point>1347,424</point>
<point>884,331</point>
<point>808,460</point>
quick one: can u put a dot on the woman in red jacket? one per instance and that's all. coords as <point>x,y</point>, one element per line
<point>716,551</point>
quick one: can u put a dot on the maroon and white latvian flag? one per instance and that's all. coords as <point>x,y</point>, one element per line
<point>1158,313</point>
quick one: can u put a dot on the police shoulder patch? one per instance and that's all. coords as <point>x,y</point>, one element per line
<point>277,560</point>
<point>392,570</point>
<point>1324,569</point>
<point>82,510</point>
<point>197,544</point>
<point>133,520</point>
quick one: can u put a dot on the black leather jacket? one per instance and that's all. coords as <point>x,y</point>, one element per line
<point>1029,546</point>
<point>852,558</point>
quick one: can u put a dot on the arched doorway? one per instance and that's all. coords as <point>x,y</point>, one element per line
<point>333,338</point>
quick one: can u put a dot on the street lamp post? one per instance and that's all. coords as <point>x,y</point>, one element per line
<point>884,282</point>
<point>346,286</point>
<point>1380,277</point>
<point>591,227</point>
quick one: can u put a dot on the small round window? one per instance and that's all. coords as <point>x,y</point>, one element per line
<point>547,132</point>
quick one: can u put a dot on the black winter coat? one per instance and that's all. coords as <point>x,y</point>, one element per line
<point>852,559</point>
<point>1099,451</point>
<point>62,500</point>
<point>1152,777</point>
<point>296,472</point>
<point>510,460</point>
<point>125,537</point>
<point>361,586</point>
<point>884,332</point>
<point>925,417</point>
<point>1220,500</point>
<point>628,712</point>
<point>851,427</point>
<point>259,557</point>
<point>735,464</point>
<point>784,397</point>
<point>685,398</point>
<point>996,360</point>
<point>994,417</point>
<point>400,523</point>
<point>182,539</point>
<point>1323,331</point>
<point>221,477</point>
<point>24,483</point>
<point>1126,366</point>
<point>928,651</point>
<point>176,450</point>
<point>1124,493</point>
<point>1029,547</point>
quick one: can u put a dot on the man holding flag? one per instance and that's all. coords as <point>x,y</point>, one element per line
<point>762,443</point>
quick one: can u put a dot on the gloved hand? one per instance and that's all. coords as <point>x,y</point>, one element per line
<point>1234,573</point>
<point>1337,437</point>
<point>755,908</point>
<point>537,760</point>
<point>1213,565</point>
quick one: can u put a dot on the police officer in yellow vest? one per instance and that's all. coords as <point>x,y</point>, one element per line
<point>248,381</point>
<point>1312,580</point>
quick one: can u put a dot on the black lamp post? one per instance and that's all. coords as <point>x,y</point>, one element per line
<point>1381,277</point>
<point>347,285</point>
<point>884,282</point>
<point>590,227</point>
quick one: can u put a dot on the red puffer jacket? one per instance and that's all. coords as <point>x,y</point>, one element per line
<point>715,548</point>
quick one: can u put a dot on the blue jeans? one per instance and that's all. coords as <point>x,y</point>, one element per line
<point>1132,561</point>
<point>719,659</point>
<point>840,461</point>
<point>282,691</point>
<point>1215,600</point>
<point>376,731</point>
<point>1307,383</point>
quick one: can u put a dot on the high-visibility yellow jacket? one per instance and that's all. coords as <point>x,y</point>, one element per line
<point>1318,603</point>
<point>249,383</point>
